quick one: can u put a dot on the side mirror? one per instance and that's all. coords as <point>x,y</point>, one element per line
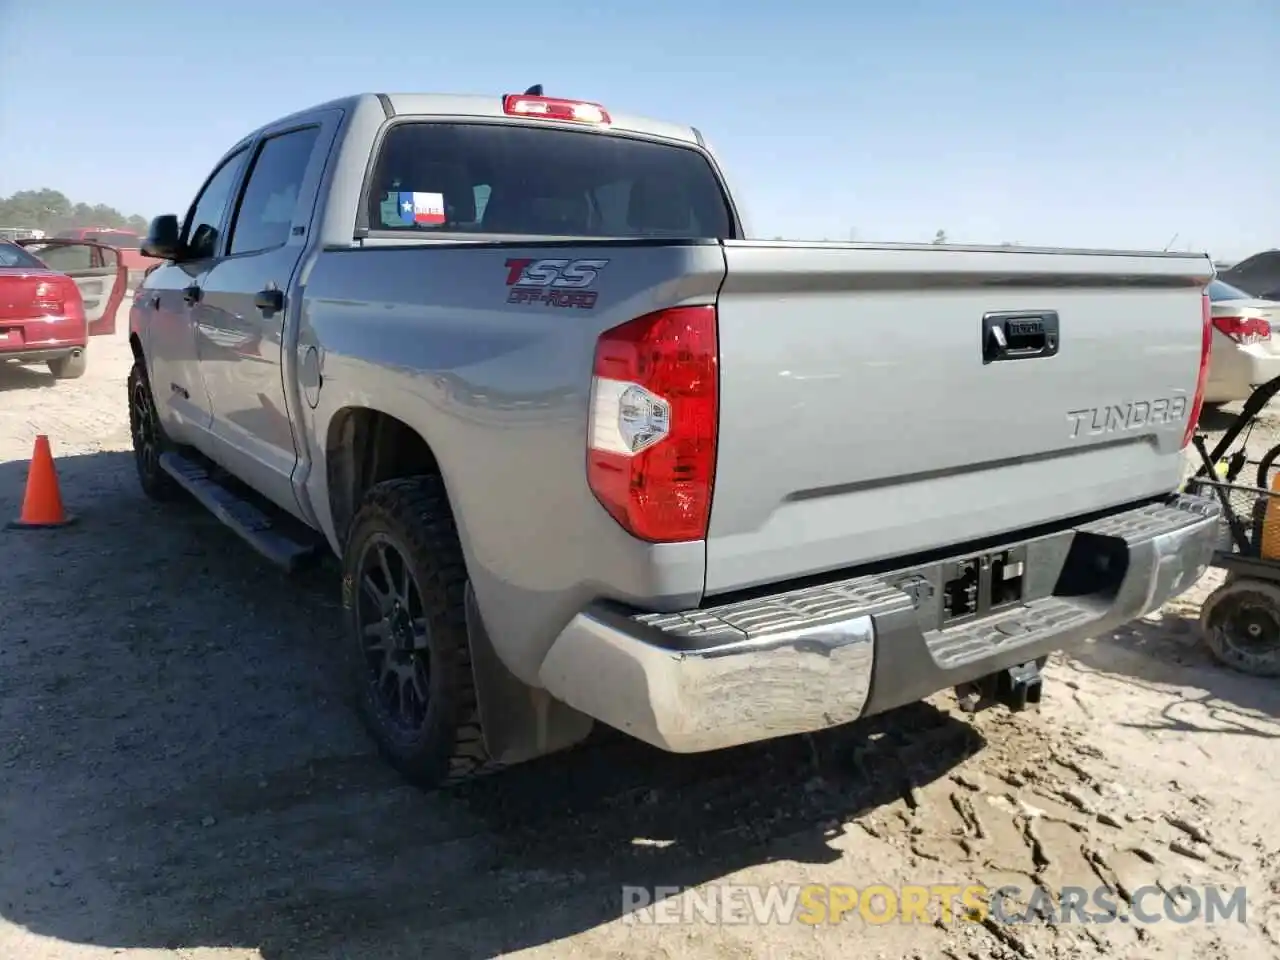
<point>163,239</point>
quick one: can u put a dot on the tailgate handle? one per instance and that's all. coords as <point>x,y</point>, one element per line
<point>1019,335</point>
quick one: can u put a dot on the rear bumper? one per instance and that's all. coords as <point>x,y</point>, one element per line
<point>817,657</point>
<point>1235,370</point>
<point>44,339</point>
<point>41,355</point>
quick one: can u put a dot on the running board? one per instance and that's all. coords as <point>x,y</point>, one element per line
<point>253,525</point>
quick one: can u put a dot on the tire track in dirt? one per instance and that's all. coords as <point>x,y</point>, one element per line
<point>1037,810</point>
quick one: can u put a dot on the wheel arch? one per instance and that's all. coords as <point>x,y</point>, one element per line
<point>365,445</point>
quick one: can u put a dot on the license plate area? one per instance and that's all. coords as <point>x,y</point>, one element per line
<point>977,586</point>
<point>964,589</point>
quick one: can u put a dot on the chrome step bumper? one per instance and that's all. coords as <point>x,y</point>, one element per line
<point>820,656</point>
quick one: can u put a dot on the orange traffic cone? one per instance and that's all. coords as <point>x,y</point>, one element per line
<point>42,503</point>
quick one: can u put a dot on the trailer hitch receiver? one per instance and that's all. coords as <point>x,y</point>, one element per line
<point>1020,686</point>
<point>1016,687</point>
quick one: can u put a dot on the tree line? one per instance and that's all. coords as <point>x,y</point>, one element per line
<point>51,211</point>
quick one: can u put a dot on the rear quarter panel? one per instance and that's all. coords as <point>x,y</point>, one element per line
<point>500,392</point>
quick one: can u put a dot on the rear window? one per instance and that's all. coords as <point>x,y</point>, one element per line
<point>1224,291</point>
<point>127,241</point>
<point>510,179</point>
<point>12,255</point>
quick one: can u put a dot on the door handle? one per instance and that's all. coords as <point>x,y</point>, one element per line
<point>270,300</point>
<point>191,294</point>
<point>1019,335</point>
<point>155,301</point>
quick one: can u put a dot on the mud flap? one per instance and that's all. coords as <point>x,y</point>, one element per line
<point>519,722</point>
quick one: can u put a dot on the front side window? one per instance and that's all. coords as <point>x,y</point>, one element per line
<point>500,178</point>
<point>271,192</point>
<point>200,232</point>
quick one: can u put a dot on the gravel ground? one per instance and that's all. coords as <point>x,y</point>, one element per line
<point>183,777</point>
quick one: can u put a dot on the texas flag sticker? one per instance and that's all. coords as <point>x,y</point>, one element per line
<point>427,208</point>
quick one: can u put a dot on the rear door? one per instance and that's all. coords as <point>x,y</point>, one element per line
<point>97,271</point>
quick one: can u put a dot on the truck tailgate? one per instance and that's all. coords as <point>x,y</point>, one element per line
<point>859,421</point>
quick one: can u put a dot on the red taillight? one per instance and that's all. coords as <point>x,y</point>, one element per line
<point>72,301</point>
<point>1206,348</point>
<point>49,298</point>
<point>651,441</point>
<point>549,108</point>
<point>1244,330</point>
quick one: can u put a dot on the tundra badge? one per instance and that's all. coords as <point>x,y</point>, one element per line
<point>1097,421</point>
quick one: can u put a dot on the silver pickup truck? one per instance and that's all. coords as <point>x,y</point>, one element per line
<point>586,453</point>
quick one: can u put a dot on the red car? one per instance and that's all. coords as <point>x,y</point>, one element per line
<point>54,295</point>
<point>126,241</point>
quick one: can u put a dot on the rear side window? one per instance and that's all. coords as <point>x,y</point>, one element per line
<point>530,181</point>
<point>271,192</point>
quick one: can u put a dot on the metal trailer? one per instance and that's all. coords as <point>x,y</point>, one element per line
<point>1240,621</point>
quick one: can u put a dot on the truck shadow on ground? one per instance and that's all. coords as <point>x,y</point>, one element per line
<point>181,768</point>
<point>18,376</point>
<point>1169,656</point>
<point>1217,418</point>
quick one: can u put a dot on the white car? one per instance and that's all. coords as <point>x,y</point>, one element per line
<point>1245,353</point>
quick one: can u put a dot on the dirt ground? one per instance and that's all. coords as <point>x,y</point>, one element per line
<point>181,774</point>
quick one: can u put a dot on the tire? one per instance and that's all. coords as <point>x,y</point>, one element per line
<point>70,367</point>
<point>1241,626</point>
<point>411,664</point>
<point>149,440</point>
<point>1264,467</point>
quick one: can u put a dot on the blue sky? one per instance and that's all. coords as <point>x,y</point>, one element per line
<point>1094,123</point>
